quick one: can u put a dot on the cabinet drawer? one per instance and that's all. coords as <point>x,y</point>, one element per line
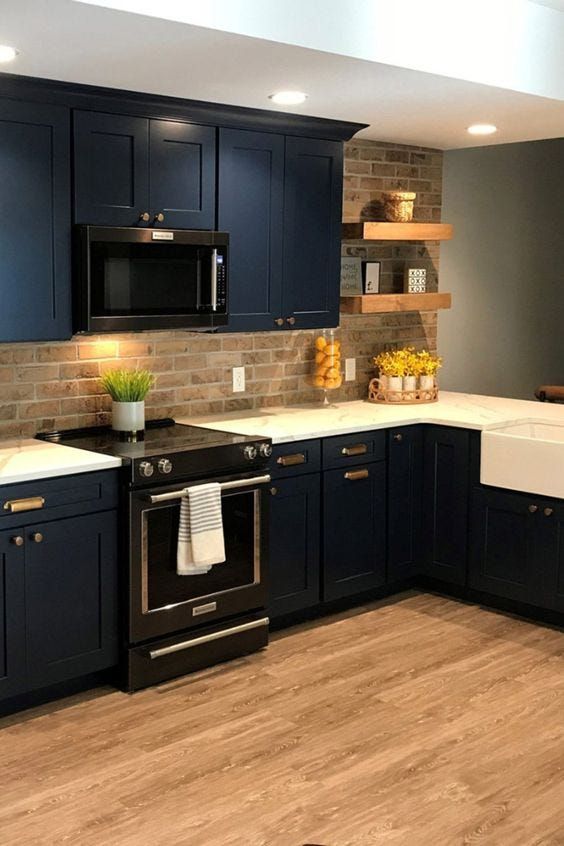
<point>295,458</point>
<point>52,499</point>
<point>359,448</point>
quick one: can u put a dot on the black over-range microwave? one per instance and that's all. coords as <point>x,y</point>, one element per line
<point>130,279</point>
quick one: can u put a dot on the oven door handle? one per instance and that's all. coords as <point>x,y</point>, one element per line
<point>225,486</point>
<point>198,641</point>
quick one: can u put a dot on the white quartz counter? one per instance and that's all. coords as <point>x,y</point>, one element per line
<point>25,460</point>
<point>295,423</point>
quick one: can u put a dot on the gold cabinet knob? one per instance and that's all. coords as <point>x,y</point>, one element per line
<point>398,437</point>
<point>158,218</point>
<point>548,512</point>
<point>144,217</point>
<point>36,537</point>
<point>291,320</point>
<point>533,509</point>
<point>273,491</point>
<point>17,540</point>
<point>279,321</point>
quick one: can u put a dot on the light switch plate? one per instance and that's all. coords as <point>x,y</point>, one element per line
<point>350,369</point>
<point>238,380</point>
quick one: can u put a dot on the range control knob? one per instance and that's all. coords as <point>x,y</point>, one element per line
<point>265,450</point>
<point>165,465</point>
<point>250,452</point>
<point>146,469</point>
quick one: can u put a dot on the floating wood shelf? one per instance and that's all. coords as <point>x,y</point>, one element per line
<point>382,303</point>
<point>370,230</point>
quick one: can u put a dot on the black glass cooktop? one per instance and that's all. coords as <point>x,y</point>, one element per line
<point>161,437</point>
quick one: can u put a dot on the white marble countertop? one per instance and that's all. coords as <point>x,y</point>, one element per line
<point>295,423</point>
<point>25,460</point>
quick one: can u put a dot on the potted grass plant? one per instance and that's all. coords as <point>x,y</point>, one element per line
<point>128,389</point>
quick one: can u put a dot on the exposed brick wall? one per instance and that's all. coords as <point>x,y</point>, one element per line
<point>48,385</point>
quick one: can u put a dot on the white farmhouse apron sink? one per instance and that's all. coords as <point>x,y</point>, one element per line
<point>526,456</point>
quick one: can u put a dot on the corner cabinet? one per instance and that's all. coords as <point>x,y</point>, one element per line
<point>132,170</point>
<point>12,621</point>
<point>35,211</point>
<point>280,200</point>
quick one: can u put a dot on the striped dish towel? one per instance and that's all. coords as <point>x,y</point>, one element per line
<point>200,533</point>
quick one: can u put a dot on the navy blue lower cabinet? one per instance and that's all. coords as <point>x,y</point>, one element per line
<point>354,533</point>
<point>549,547</point>
<point>446,478</point>
<point>250,207</point>
<point>405,479</point>
<point>35,211</point>
<point>294,545</point>
<point>71,597</point>
<point>12,614</point>
<point>503,546</point>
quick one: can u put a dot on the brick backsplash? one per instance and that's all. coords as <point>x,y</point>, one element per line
<point>55,385</point>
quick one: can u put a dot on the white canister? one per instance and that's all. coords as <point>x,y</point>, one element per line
<point>395,383</point>
<point>426,383</point>
<point>128,416</point>
<point>409,383</point>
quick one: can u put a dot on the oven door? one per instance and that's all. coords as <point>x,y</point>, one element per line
<point>162,602</point>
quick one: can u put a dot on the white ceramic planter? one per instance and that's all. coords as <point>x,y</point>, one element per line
<point>395,383</point>
<point>426,383</point>
<point>128,416</point>
<point>409,383</point>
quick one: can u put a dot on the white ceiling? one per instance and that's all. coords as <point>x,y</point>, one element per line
<point>84,42</point>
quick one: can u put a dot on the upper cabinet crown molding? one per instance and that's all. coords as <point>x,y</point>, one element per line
<point>173,108</point>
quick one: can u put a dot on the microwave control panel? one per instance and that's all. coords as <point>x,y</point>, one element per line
<point>221,283</point>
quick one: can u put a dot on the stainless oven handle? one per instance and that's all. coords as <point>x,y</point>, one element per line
<point>197,641</point>
<point>225,486</point>
<point>214,279</point>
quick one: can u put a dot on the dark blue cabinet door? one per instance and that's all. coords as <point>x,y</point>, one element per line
<point>35,229</point>
<point>111,168</point>
<point>312,232</point>
<point>12,616</point>
<point>71,597</point>
<point>354,534</point>
<point>250,208</point>
<point>294,541</point>
<point>405,477</point>
<point>445,502</point>
<point>182,174</point>
<point>549,549</point>
<point>504,546</point>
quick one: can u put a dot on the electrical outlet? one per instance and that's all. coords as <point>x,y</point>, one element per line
<point>238,380</point>
<point>350,369</point>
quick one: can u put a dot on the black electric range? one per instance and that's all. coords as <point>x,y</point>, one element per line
<point>169,451</point>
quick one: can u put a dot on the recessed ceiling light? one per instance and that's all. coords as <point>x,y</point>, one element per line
<point>7,54</point>
<point>288,98</point>
<point>482,129</point>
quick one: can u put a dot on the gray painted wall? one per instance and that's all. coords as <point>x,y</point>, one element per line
<point>505,268</point>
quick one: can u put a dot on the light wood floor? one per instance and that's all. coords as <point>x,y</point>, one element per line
<point>420,722</point>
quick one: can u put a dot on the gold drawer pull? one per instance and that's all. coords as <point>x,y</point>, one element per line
<point>32,503</point>
<point>355,475</point>
<point>357,449</point>
<point>290,460</point>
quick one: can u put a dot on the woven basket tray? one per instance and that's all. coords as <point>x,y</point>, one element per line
<point>384,395</point>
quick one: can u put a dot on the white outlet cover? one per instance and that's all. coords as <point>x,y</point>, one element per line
<point>350,369</point>
<point>238,380</point>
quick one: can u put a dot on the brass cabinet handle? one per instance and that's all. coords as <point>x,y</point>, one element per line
<point>533,509</point>
<point>31,503</point>
<point>144,217</point>
<point>357,449</point>
<point>291,320</point>
<point>548,512</point>
<point>158,218</point>
<point>279,321</point>
<point>290,460</point>
<point>355,475</point>
<point>273,491</point>
<point>36,537</point>
<point>398,437</point>
<point>17,540</point>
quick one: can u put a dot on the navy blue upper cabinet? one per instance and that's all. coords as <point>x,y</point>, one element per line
<point>111,169</point>
<point>126,167</point>
<point>182,174</point>
<point>12,619</point>
<point>312,232</point>
<point>35,214</point>
<point>250,208</point>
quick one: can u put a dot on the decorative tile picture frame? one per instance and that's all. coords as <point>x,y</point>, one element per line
<point>371,276</point>
<point>415,280</point>
<point>351,276</point>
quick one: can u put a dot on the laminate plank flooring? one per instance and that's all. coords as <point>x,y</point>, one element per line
<point>420,721</point>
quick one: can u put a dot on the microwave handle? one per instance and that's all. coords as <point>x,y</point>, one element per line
<point>214,279</point>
